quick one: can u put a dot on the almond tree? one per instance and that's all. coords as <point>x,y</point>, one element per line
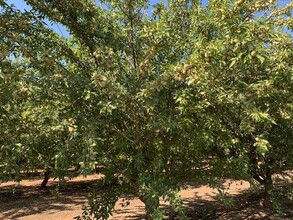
<point>153,99</point>
<point>241,76</point>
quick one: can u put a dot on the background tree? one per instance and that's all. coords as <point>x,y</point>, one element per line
<point>242,73</point>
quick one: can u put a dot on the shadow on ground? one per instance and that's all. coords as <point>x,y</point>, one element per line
<point>20,201</point>
<point>25,202</point>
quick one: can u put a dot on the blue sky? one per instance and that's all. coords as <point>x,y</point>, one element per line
<point>58,28</point>
<point>61,30</point>
<point>21,4</point>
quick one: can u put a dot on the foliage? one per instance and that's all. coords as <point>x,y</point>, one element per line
<point>187,92</point>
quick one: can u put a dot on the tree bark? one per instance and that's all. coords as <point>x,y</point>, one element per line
<point>149,213</point>
<point>263,177</point>
<point>267,196</point>
<point>46,178</point>
<point>268,183</point>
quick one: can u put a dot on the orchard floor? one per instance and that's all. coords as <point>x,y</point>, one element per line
<point>27,201</point>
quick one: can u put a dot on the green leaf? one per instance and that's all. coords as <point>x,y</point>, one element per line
<point>232,63</point>
<point>261,58</point>
<point>261,146</point>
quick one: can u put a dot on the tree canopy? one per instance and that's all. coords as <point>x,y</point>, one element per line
<point>188,92</point>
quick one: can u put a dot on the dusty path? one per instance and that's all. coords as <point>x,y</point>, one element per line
<point>34,203</point>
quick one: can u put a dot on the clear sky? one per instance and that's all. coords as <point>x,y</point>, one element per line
<point>58,28</point>
<point>21,4</point>
<point>61,30</point>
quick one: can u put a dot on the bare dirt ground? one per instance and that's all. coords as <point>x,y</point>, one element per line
<point>27,201</point>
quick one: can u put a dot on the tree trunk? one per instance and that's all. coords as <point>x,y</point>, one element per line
<point>148,216</point>
<point>268,183</point>
<point>267,196</point>
<point>149,212</point>
<point>46,178</point>
<point>263,177</point>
